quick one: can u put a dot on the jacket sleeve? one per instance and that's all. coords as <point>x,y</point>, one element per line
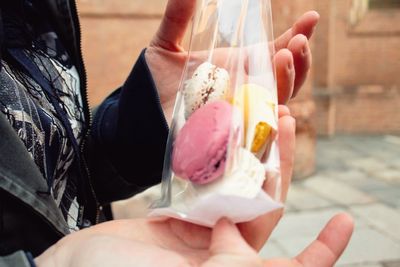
<point>128,140</point>
<point>17,259</point>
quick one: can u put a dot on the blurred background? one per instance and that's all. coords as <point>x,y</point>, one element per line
<point>348,115</point>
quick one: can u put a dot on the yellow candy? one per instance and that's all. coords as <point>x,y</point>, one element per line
<point>258,109</point>
<point>260,137</point>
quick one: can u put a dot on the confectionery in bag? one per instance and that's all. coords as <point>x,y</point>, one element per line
<point>222,157</point>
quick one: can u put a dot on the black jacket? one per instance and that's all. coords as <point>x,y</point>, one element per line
<point>122,153</point>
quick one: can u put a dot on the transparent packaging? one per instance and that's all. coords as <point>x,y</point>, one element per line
<point>222,157</point>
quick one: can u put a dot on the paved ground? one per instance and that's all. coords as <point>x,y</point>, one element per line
<point>359,175</point>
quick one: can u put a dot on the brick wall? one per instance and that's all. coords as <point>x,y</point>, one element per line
<point>113,34</point>
<point>368,109</point>
<point>356,69</point>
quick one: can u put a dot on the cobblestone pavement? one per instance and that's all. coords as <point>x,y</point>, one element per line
<point>358,175</point>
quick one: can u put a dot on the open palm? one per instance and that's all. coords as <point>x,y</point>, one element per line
<point>174,243</point>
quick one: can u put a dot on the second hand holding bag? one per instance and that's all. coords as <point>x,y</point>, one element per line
<point>222,144</point>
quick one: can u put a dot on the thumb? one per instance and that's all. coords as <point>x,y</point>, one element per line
<point>174,24</point>
<point>226,239</point>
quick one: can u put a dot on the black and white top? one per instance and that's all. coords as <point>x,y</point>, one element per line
<point>31,112</point>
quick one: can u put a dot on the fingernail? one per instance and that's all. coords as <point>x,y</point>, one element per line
<point>313,30</point>
<point>229,221</point>
<point>226,221</point>
<point>290,66</point>
<point>304,51</point>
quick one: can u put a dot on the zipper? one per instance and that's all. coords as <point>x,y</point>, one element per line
<point>88,114</point>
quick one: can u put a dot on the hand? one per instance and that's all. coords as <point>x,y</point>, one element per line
<point>228,249</point>
<point>292,59</point>
<point>326,249</point>
<point>153,244</point>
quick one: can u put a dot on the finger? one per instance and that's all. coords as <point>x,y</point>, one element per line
<point>174,24</point>
<point>302,60</point>
<point>330,244</point>
<point>258,231</point>
<point>283,111</point>
<point>304,25</point>
<point>285,75</point>
<point>226,239</point>
<point>287,144</point>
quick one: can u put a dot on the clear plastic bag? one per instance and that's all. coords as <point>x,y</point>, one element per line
<point>222,146</point>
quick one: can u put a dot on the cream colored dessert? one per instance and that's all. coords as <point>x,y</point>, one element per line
<point>208,83</point>
<point>244,180</point>
<point>260,119</point>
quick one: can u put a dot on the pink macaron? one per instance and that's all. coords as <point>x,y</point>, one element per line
<point>200,147</point>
